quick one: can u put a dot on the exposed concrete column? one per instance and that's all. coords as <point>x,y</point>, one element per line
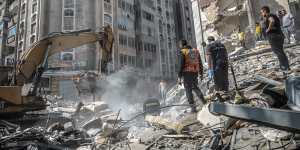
<point>6,19</point>
<point>251,16</point>
<point>201,29</point>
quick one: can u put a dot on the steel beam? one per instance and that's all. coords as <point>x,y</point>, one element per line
<point>267,80</point>
<point>275,118</point>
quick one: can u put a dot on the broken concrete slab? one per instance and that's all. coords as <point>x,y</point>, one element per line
<point>206,118</point>
<point>176,126</point>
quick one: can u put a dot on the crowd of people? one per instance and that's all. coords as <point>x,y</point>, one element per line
<point>287,23</point>
<point>273,28</point>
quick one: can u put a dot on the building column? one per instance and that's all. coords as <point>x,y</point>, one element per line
<point>251,16</point>
<point>6,18</point>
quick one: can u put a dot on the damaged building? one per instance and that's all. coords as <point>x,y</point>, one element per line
<point>69,107</point>
<point>223,18</point>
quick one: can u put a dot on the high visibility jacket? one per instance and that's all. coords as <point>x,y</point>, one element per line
<point>191,60</point>
<point>241,36</point>
<point>257,29</point>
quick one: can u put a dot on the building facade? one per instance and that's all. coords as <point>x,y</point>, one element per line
<point>184,21</point>
<point>166,35</point>
<point>126,50</point>
<point>146,34</point>
<point>68,16</point>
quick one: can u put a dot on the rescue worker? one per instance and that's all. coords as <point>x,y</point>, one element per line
<point>275,36</point>
<point>190,67</point>
<point>217,59</point>
<point>242,38</point>
<point>258,32</point>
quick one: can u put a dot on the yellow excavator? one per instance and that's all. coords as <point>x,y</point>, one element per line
<point>23,95</point>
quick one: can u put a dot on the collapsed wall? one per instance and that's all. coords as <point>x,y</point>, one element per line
<point>223,19</point>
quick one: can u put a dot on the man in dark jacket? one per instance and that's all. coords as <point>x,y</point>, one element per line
<point>275,36</point>
<point>217,59</point>
<point>190,67</point>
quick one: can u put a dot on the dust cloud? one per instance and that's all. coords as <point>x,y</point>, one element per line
<point>127,90</point>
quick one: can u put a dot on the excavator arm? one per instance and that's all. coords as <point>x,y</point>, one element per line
<point>40,51</point>
<point>32,64</point>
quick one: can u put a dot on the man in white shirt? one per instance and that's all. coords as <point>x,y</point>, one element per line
<point>163,90</point>
<point>288,24</point>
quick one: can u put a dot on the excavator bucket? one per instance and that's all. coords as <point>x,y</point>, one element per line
<point>106,47</point>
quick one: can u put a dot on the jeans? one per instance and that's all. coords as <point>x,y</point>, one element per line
<point>287,33</point>
<point>190,81</point>
<point>276,41</point>
<point>258,36</point>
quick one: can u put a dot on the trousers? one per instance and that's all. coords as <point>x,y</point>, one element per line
<point>276,41</point>
<point>221,78</point>
<point>190,81</point>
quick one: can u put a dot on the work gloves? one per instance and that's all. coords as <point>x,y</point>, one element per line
<point>210,74</point>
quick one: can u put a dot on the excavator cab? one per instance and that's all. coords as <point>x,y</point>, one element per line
<point>24,96</point>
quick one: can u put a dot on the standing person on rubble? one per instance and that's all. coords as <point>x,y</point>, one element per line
<point>163,90</point>
<point>288,25</point>
<point>242,38</point>
<point>263,28</point>
<point>275,37</point>
<point>258,32</point>
<point>190,67</point>
<point>217,59</point>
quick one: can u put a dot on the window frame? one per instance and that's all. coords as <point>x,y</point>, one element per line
<point>69,18</point>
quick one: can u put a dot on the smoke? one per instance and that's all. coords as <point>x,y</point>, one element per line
<point>127,90</point>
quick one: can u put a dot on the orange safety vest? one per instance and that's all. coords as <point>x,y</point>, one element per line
<point>191,60</point>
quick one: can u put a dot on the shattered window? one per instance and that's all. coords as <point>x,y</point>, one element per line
<point>107,18</point>
<point>34,8</point>
<point>68,23</point>
<point>69,3</point>
<point>33,28</point>
<point>67,56</point>
<point>32,39</point>
<point>69,13</point>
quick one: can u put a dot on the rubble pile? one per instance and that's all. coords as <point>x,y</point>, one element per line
<point>94,125</point>
<point>84,126</point>
<point>260,84</point>
<point>262,61</point>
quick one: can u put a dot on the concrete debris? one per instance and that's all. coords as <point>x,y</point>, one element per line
<point>173,126</point>
<point>274,135</point>
<point>93,125</point>
<point>208,119</point>
<point>82,126</point>
<point>260,84</point>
